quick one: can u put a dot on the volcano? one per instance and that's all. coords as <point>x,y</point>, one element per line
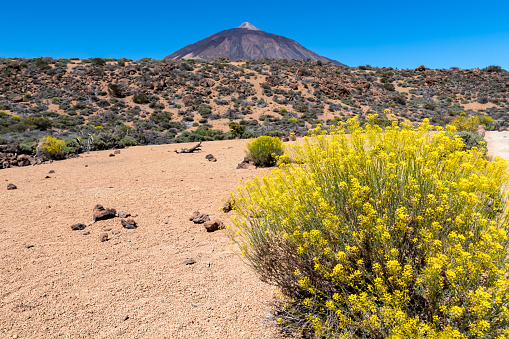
<point>247,42</point>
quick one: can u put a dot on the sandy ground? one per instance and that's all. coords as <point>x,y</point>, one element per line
<point>58,283</point>
<point>498,144</point>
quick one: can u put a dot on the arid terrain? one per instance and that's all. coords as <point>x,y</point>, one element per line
<point>120,103</point>
<point>59,283</point>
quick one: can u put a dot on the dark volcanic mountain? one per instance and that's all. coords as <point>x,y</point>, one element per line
<point>247,42</point>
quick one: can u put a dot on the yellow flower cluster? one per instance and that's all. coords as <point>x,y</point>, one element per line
<point>394,233</point>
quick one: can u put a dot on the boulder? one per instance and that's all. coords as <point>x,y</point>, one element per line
<point>11,187</point>
<point>101,213</point>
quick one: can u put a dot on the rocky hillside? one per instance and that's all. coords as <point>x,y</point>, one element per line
<point>118,103</point>
<point>247,42</point>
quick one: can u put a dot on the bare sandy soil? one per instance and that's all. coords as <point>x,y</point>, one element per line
<point>59,283</point>
<point>498,144</point>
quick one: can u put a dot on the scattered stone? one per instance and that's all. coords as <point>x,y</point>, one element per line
<point>201,218</point>
<point>227,206</point>
<point>117,151</point>
<point>208,264</point>
<point>212,226</point>
<point>129,223</point>
<point>29,246</point>
<point>47,177</point>
<point>112,155</point>
<point>107,229</point>
<point>86,165</point>
<point>103,237</point>
<point>78,227</point>
<point>189,261</point>
<point>101,213</point>
<point>195,215</point>
<point>247,163</point>
<point>124,317</point>
<point>85,233</point>
<point>124,215</point>
<point>51,171</point>
<point>115,232</point>
<point>210,157</point>
<point>11,187</point>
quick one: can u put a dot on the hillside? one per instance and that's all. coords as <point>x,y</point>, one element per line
<point>124,102</point>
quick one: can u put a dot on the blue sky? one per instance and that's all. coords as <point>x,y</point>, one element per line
<point>438,34</point>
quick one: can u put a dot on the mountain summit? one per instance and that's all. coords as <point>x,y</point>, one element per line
<point>247,42</point>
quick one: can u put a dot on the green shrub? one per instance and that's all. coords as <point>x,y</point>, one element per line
<point>265,150</point>
<point>383,234</point>
<point>471,139</point>
<point>236,130</point>
<point>116,90</point>
<point>127,141</point>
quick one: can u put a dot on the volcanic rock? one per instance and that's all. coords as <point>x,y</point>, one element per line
<point>101,213</point>
<point>78,227</point>
<point>212,226</point>
<point>129,223</point>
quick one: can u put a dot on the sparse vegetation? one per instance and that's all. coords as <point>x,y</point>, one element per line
<point>265,150</point>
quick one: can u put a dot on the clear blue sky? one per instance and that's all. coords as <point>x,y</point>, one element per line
<point>438,34</point>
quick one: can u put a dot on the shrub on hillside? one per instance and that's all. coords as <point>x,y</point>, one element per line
<point>52,147</point>
<point>265,150</point>
<point>383,234</point>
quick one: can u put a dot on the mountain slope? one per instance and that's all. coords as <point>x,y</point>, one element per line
<point>247,42</point>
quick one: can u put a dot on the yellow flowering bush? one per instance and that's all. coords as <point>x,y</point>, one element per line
<point>52,147</point>
<point>265,150</point>
<point>395,233</point>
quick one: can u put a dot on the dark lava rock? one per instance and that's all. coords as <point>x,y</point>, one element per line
<point>212,226</point>
<point>228,206</point>
<point>112,155</point>
<point>123,215</point>
<point>195,215</point>
<point>189,261</point>
<point>210,157</point>
<point>129,223</point>
<point>11,187</point>
<point>201,218</point>
<point>101,213</point>
<point>78,227</point>
<point>52,171</point>
<point>247,163</point>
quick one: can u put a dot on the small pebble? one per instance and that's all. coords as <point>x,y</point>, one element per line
<point>189,261</point>
<point>103,237</point>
